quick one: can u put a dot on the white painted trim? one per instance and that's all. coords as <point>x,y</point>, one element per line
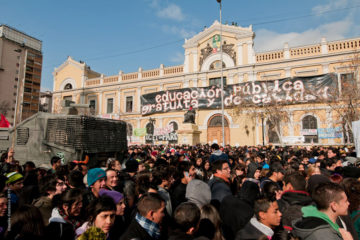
<point>229,62</point>
<point>66,81</point>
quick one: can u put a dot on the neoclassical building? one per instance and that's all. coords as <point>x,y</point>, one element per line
<point>153,102</point>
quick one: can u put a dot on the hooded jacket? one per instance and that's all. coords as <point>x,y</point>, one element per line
<point>218,155</point>
<point>315,226</point>
<point>58,228</point>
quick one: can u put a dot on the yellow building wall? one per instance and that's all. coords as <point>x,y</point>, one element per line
<point>69,71</point>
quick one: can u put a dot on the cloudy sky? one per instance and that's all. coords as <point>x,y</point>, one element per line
<point>114,35</point>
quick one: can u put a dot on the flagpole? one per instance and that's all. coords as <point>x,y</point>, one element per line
<point>222,81</point>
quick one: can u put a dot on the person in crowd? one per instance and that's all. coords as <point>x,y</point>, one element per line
<point>15,182</point>
<point>217,154</point>
<point>208,211</point>
<point>320,222</point>
<point>27,224</point>
<point>275,174</point>
<point>185,172</point>
<point>29,166</point>
<point>66,216</point>
<point>102,212</point>
<point>55,163</point>
<point>119,201</point>
<point>162,177</point>
<point>48,190</point>
<point>267,218</point>
<point>114,164</point>
<point>198,192</point>
<point>75,180</point>
<point>96,181</point>
<point>3,214</point>
<point>187,217</point>
<point>236,211</point>
<point>111,179</point>
<point>220,183</point>
<point>293,198</point>
<point>147,221</point>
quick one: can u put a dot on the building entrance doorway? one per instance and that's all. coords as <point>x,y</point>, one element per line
<point>214,130</point>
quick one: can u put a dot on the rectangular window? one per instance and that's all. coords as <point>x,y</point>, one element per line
<point>217,81</point>
<point>110,105</point>
<point>68,98</point>
<point>27,90</point>
<point>92,104</point>
<point>129,104</point>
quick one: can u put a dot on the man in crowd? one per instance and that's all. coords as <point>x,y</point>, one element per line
<point>111,179</point>
<point>220,183</point>
<point>217,154</point>
<point>267,218</point>
<point>96,181</point>
<point>320,222</point>
<point>276,175</point>
<point>146,224</point>
<point>55,163</point>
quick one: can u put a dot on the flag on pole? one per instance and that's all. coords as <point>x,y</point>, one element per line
<point>4,123</point>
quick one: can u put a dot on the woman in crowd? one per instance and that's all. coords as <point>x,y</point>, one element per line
<point>102,212</point>
<point>27,224</point>
<point>65,218</point>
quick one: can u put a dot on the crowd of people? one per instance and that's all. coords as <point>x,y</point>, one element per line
<point>185,192</point>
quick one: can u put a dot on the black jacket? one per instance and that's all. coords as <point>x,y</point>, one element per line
<point>135,231</point>
<point>249,232</point>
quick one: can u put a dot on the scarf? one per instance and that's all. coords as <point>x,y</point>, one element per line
<point>150,227</point>
<point>73,221</point>
<point>222,177</point>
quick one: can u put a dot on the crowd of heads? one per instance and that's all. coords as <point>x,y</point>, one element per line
<point>181,192</point>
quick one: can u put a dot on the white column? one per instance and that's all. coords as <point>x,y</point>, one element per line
<point>240,54</point>
<point>186,62</point>
<point>231,78</point>
<point>101,79</point>
<point>186,83</point>
<point>195,82</point>
<point>161,70</point>
<point>329,121</point>
<point>324,46</point>
<point>161,87</point>
<point>250,52</point>
<point>241,77</point>
<point>203,82</point>
<point>119,101</point>
<point>291,124</point>
<point>287,72</point>
<point>286,51</point>
<point>325,68</point>
<point>140,73</point>
<point>100,103</point>
<point>257,130</point>
<point>195,60</point>
<point>120,76</point>
<point>138,99</point>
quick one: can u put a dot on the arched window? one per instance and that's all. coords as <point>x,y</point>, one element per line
<point>68,86</point>
<point>216,65</point>
<point>309,127</point>
<point>272,135</point>
<point>217,122</point>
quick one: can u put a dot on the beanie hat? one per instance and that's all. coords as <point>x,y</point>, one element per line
<point>13,177</point>
<point>115,195</point>
<point>95,174</point>
<point>198,192</point>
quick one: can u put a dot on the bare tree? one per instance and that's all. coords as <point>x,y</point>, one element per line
<point>345,100</point>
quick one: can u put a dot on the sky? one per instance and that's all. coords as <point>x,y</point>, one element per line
<point>114,35</point>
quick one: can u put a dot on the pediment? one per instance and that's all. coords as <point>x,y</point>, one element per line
<point>69,61</point>
<point>239,33</point>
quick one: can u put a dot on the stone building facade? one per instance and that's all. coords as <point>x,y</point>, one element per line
<point>120,96</point>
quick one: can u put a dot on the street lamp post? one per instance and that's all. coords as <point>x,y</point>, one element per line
<point>221,79</point>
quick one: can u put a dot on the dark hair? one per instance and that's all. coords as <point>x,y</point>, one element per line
<point>161,173</point>
<point>215,146</point>
<point>148,202</point>
<point>29,164</point>
<point>186,216</point>
<point>352,190</point>
<point>217,165</point>
<point>296,180</point>
<point>101,204</point>
<point>47,183</point>
<point>54,160</point>
<point>269,190</point>
<point>262,205</point>
<point>67,198</point>
<point>182,167</point>
<point>75,179</point>
<point>27,222</point>
<point>326,193</point>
